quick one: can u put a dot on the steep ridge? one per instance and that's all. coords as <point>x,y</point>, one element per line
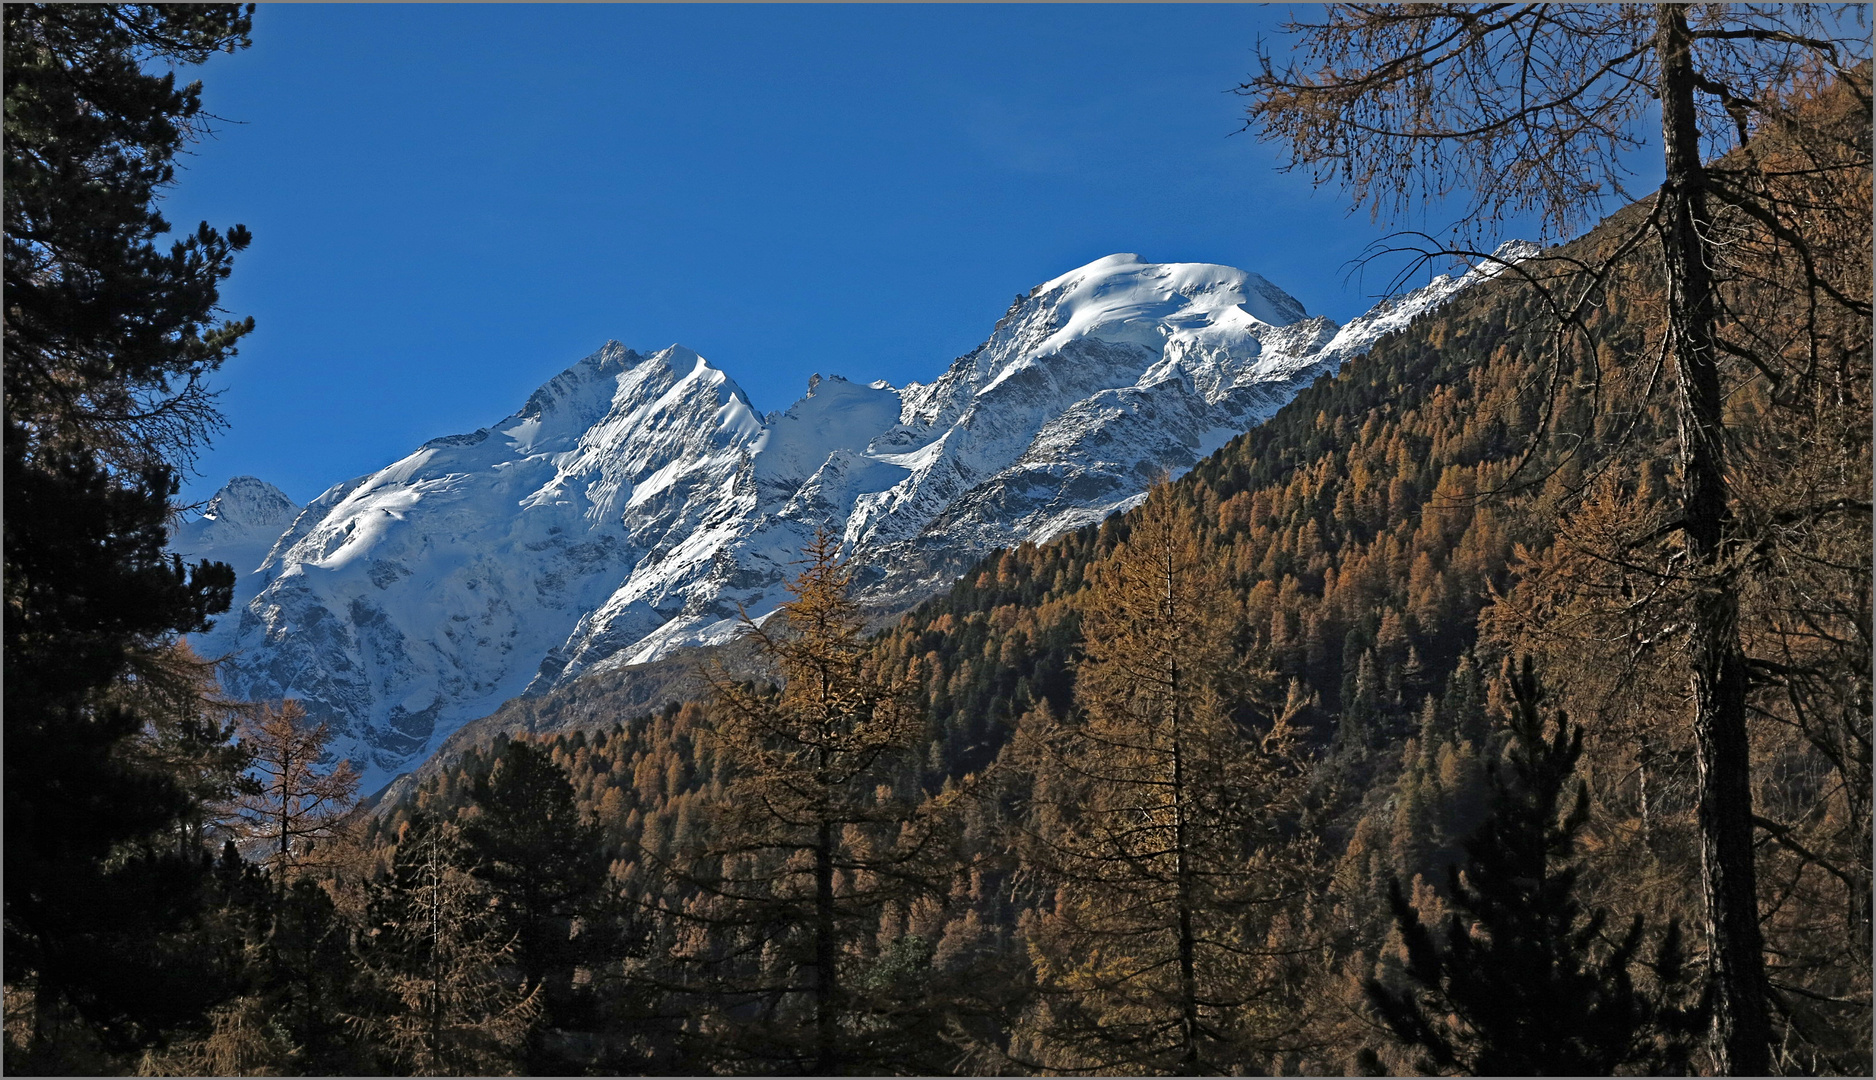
<point>636,505</point>
<point>445,577</point>
<point>239,525</point>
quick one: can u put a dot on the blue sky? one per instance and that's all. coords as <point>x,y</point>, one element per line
<point>450,204</point>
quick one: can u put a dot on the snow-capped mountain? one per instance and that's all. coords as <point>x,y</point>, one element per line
<point>636,502</point>
<point>238,526</point>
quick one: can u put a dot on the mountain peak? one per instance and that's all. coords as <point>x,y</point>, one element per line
<point>1122,289</point>
<point>636,503</point>
<point>238,526</point>
<point>249,501</point>
<point>1122,301</point>
<point>681,356</point>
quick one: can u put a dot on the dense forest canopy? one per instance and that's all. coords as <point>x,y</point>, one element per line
<point>116,744</point>
<point>1381,741</point>
<point>1384,550</point>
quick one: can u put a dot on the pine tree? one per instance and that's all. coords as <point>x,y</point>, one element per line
<point>310,980</point>
<point>106,340</point>
<point>544,863</point>
<point>289,959</point>
<point>1162,812</point>
<point>1523,982</point>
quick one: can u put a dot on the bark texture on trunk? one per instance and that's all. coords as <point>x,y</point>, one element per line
<point>1189,1063</point>
<point>1717,675</point>
<point>827,1056</point>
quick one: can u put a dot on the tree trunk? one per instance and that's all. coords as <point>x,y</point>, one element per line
<point>1188,966</point>
<point>286,808</point>
<point>1717,669</point>
<point>826,1063</point>
<point>1188,963</point>
<point>1647,822</point>
<point>436,966</point>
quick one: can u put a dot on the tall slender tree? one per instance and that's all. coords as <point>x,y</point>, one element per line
<point>821,825</point>
<point>544,863</point>
<point>438,959</point>
<point>1163,814</point>
<point>109,338</point>
<point>527,840</point>
<point>1536,108</point>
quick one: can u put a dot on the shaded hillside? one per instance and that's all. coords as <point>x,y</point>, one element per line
<point>593,703</point>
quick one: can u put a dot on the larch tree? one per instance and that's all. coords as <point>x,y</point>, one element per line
<point>300,803</point>
<point>1163,816</point>
<point>440,964</point>
<point>1539,109</point>
<point>819,828</point>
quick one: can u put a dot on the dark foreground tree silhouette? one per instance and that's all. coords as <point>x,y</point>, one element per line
<point>1531,108</point>
<point>107,340</point>
<point>1523,981</point>
<point>543,861</point>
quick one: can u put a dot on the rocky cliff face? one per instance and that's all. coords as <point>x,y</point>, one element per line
<point>637,504</point>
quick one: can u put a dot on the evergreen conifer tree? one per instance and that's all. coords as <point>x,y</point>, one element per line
<point>107,340</point>
<point>544,863</point>
<point>1523,982</point>
<point>309,982</point>
<point>287,956</point>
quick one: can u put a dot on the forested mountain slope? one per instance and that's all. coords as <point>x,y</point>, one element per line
<point>1382,549</point>
<point>635,504</point>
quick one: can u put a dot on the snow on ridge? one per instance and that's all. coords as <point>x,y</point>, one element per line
<point>1391,315</point>
<point>636,503</point>
<point>239,526</point>
<point>442,579</point>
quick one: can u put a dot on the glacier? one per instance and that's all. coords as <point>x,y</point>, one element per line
<point>638,504</point>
